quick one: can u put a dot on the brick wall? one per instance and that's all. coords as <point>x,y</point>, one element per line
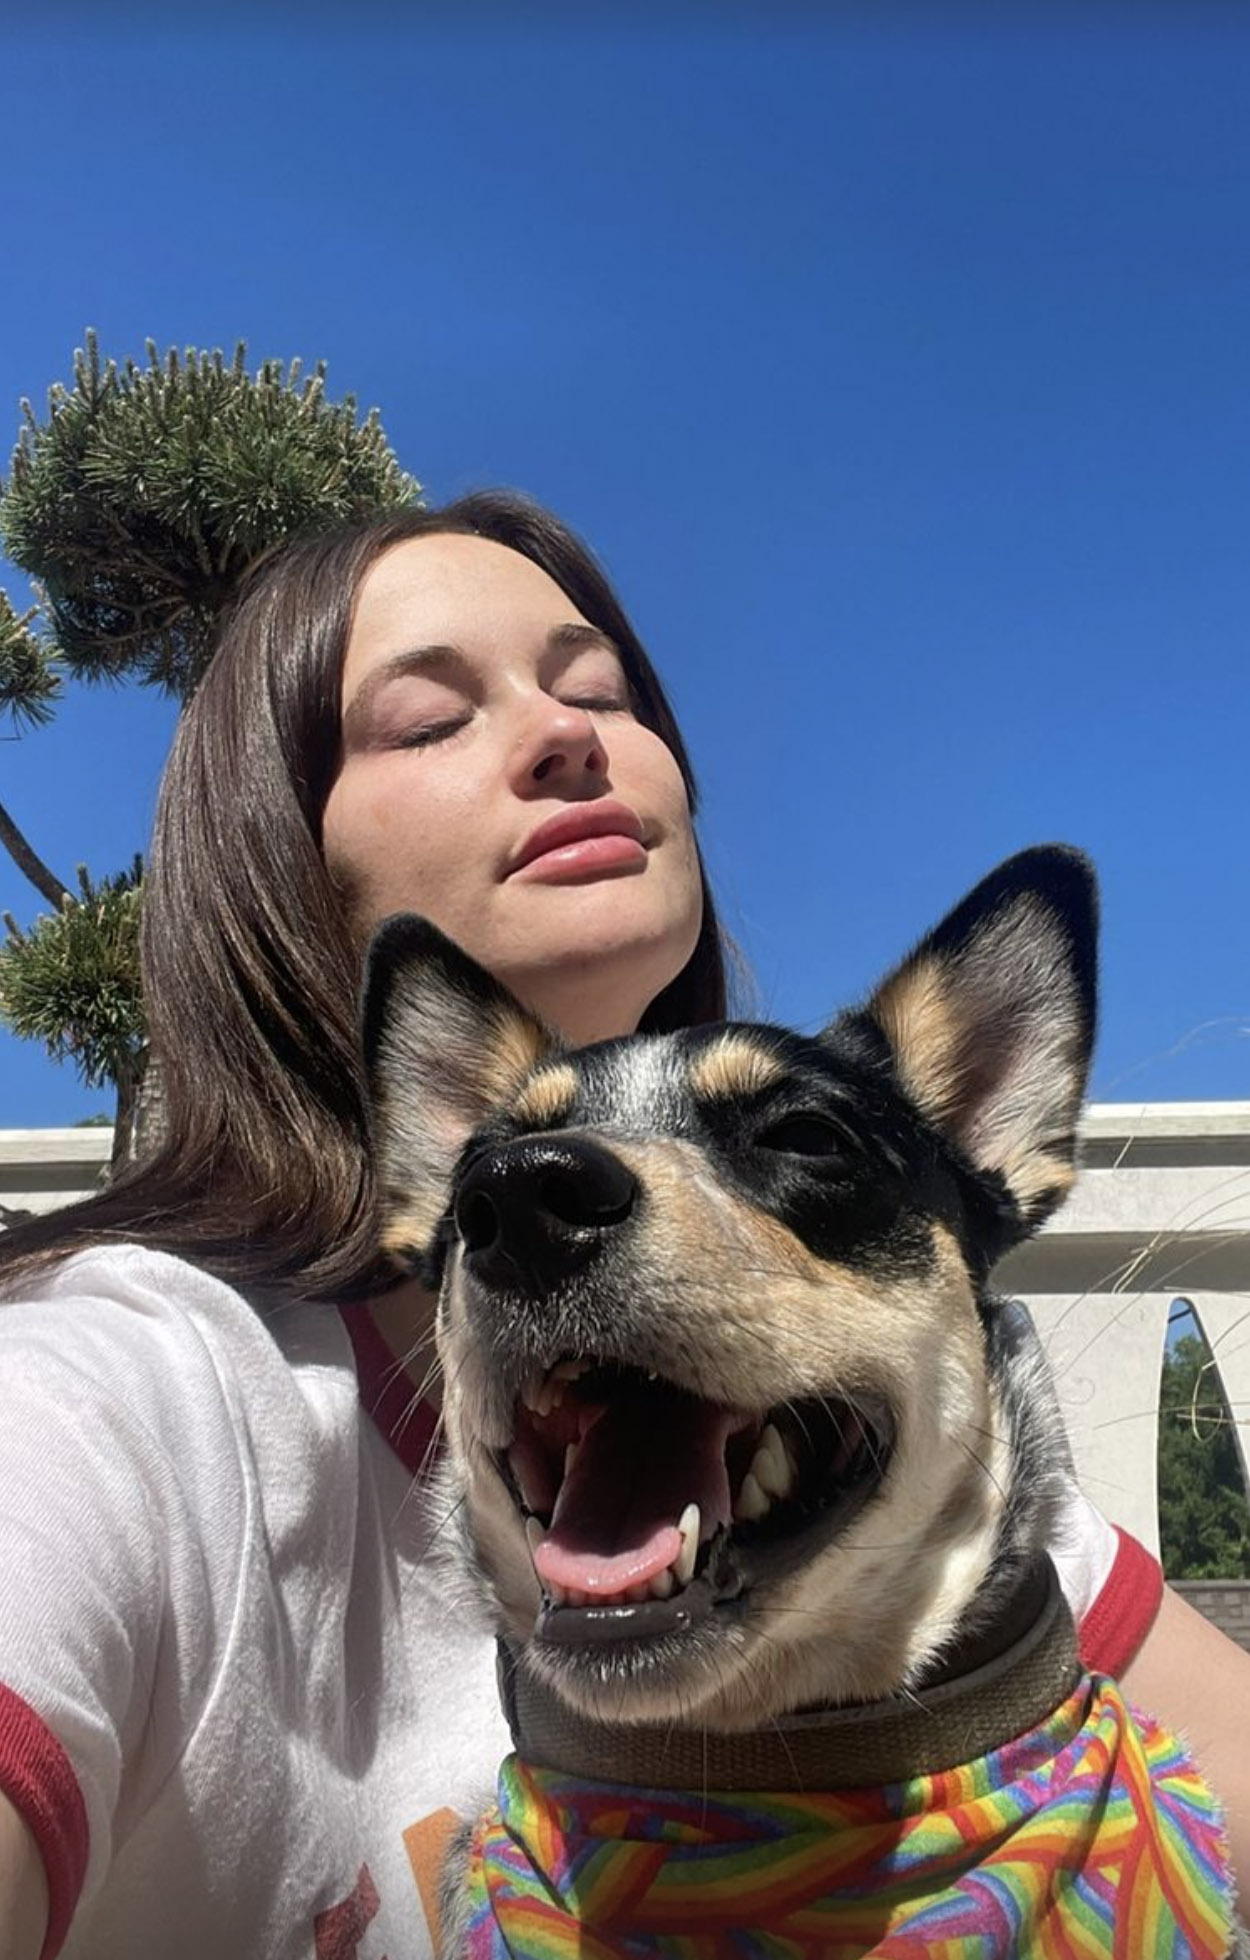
<point>1226,1602</point>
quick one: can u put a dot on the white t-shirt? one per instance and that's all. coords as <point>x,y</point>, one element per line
<point>237,1690</point>
<point>218,1597</point>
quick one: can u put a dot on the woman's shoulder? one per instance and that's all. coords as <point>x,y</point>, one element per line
<point>162,1337</point>
<point>117,1306</point>
<point>128,1272</point>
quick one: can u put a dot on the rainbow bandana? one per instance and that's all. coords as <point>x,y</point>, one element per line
<point>1091,1835</point>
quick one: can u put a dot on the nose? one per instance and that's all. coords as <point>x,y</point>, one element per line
<point>531,1213</point>
<point>561,739</point>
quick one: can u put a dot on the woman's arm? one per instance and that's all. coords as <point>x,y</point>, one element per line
<point>23,1888</point>
<point>1197,1681</point>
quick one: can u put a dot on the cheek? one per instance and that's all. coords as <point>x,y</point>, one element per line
<point>384,845</point>
<point>675,805</point>
<point>353,832</point>
<point>680,883</point>
<point>664,792</point>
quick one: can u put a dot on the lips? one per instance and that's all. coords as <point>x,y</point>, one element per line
<point>581,823</point>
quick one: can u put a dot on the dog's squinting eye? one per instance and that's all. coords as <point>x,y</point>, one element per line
<point>800,1136</point>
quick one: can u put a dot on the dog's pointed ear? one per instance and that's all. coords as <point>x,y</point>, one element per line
<point>445,1046</point>
<point>990,1022</point>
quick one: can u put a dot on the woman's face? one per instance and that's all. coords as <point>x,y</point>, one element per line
<point>494,777</point>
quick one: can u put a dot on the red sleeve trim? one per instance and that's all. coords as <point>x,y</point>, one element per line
<point>410,1426</point>
<point>38,1778</point>
<point>1124,1612</point>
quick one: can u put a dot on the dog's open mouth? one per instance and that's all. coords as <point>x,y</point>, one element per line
<point>646,1506</point>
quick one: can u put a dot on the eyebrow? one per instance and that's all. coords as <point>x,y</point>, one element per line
<point>569,638</point>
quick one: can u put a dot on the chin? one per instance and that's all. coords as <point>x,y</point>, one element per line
<point>604,987</point>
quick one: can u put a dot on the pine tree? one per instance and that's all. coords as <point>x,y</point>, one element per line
<point>135,507</point>
<point>1204,1518</point>
<point>71,981</point>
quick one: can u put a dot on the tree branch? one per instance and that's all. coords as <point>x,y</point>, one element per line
<point>29,863</point>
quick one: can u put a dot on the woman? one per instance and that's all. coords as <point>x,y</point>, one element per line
<point>235,1692</point>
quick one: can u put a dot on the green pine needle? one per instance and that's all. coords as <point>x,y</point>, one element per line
<point>148,491</point>
<point>71,980</point>
<point>30,681</point>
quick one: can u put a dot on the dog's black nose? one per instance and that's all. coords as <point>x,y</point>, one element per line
<point>532,1212</point>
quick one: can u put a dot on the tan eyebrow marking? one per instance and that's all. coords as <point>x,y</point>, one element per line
<point>514,1046</point>
<point>733,1066</point>
<point>547,1097</point>
<point>409,1230</point>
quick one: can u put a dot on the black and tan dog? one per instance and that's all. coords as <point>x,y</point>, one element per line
<point>738,1429</point>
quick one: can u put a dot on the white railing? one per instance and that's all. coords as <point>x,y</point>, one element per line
<point>41,1169</point>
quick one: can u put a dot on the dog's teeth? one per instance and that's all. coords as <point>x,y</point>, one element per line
<point>662,1583</point>
<point>753,1503</point>
<point>771,1466</point>
<point>569,1454</point>
<point>688,1526</point>
<point>534,1533</point>
<point>570,1371</point>
<point>636,1594</point>
<point>531,1394</point>
<point>544,1393</point>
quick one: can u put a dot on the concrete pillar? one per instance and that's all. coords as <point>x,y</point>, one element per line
<point>1107,1353</point>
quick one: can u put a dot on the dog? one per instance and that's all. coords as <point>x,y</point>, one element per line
<point>757,1476</point>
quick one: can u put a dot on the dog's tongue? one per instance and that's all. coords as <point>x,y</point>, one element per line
<point>643,1460</point>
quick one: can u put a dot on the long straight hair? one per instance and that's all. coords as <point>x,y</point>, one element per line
<point>261,1172</point>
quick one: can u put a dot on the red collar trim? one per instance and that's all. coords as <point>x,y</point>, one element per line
<point>409,1425</point>
<point>1124,1612</point>
<point>40,1781</point>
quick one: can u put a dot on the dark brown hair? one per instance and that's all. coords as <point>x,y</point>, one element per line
<point>261,1172</point>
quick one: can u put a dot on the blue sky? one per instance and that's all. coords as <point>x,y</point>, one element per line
<point>897,368</point>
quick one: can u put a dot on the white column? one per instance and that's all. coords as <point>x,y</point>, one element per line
<point>1107,1352</point>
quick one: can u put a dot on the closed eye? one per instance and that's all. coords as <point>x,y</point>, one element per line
<point>801,1135</point>
<point>434,731</point>
<point>600,704</point>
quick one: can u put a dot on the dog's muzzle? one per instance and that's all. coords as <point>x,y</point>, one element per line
<point>645,1504</point>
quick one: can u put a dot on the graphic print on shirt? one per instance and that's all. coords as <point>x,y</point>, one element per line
<point>339,1930</point>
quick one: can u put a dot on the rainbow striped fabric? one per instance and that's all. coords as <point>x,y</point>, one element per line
<point>1091,1835</point>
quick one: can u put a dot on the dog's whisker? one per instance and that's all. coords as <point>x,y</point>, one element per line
<point>410,1412</point>
<point>905,1693</point>
<point>982,1466</point>
<point>441,1526</point>
<point>793,1410</point>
